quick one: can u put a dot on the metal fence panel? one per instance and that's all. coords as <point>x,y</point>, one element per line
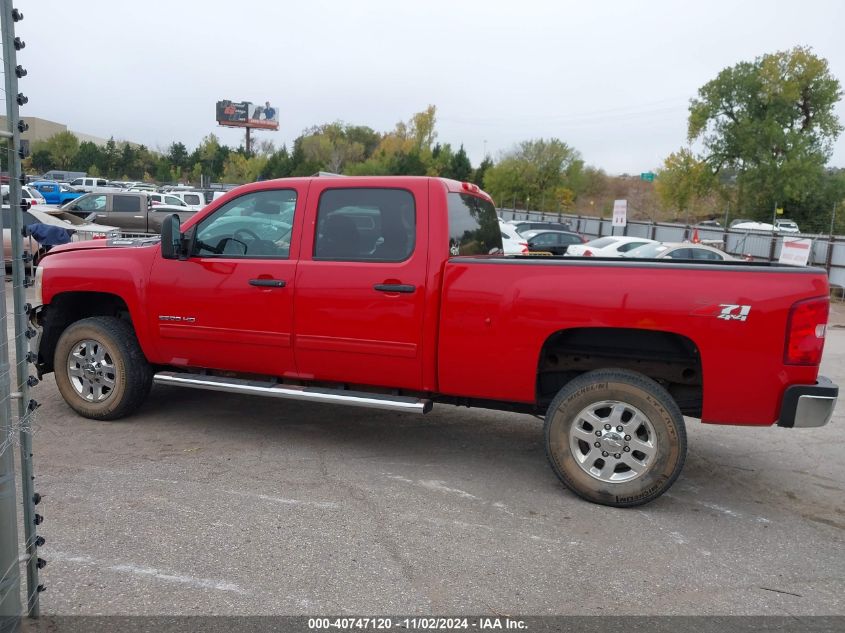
<point>826,251</point>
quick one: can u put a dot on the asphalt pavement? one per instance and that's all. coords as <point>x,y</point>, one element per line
<point>211,503</point>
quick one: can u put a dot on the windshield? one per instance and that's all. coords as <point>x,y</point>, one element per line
<point>473,226</point>
<point>647,251</point>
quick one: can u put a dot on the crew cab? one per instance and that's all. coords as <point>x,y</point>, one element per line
<point>392,292</point>
<point>130,211</point>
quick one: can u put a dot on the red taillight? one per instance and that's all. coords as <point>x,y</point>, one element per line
<point>588,253</point>
<point>524,246</point>
<point>468,186</point>
<point>805,330</point>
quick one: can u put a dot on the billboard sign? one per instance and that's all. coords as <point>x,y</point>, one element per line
<point>247,114</point>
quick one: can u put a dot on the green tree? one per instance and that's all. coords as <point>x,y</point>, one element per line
<point>62,147</point>
<point>773,121</point>
<point>331,146</point>
<point>88,154</point>
<point>177,154</point>
<point>478,174</point>
<point>127,162</point>
<point>536,173</point>
<point>278,164</point>
<point>162,170</point>
<point>683,180</point>
<point>460,168</point>
<point>239,169</point>
<point>41,160</point>
<point>108,158</point>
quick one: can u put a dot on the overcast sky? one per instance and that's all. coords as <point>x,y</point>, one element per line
<point>612,79</point>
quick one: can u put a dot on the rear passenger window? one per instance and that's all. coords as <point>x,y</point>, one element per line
<point>126,204</point>
<point>365,225</point>
<point>473,226</point>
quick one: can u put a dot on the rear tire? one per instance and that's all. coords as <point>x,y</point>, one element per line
<point>615,437</point>
<point>100,369</point>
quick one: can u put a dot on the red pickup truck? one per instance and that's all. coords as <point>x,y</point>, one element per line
<point>392,292</point>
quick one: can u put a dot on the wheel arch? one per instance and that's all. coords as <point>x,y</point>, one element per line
<point>67,308</point>
<point>671,359</point>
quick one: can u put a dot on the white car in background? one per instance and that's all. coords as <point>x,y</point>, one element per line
<point>679,250</point>
<point>168,199</point>
<point>512,242</point>
<point>30,194</point>
<point>195,200</point>
<point>609,246</point>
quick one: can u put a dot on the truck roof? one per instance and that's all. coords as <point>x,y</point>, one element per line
<point>452,186</point>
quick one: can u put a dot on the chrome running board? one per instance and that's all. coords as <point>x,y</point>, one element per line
<point>294,392</point>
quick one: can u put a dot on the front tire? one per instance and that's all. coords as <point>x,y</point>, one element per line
<point>615,437</point>
<point>100,369</point>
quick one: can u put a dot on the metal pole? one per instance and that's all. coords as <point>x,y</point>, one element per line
<point>25,406</point>
<point>247,141</point>
<point>10,581</point>
<point>832,218</point>
<point>10,578</point>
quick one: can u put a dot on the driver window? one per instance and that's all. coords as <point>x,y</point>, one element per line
<point>255,225</point>
<point>91,203</point>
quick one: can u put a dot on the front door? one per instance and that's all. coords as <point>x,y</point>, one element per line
<point>230,305</point>
<point>361,282</point>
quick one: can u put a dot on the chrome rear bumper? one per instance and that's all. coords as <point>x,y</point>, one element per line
<point>808,406</point>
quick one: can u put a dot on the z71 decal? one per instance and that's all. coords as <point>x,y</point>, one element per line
<point>733,312</point>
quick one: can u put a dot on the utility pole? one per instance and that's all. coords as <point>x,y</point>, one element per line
<point>25,406</point>
<point>10,580</point>
<point>832,218</point>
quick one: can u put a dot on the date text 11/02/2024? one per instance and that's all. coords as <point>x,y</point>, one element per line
<point>420,623</point>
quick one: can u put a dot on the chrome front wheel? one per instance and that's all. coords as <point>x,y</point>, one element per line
<point>91,370</point>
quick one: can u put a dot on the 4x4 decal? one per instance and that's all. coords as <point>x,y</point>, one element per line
<point>733,312</point>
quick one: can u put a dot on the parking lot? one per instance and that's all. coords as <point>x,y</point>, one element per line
<point>209,503</point>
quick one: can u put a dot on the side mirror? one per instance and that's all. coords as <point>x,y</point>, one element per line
<point>171,237</point>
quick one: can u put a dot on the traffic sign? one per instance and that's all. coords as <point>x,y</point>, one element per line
<point>648,176</point>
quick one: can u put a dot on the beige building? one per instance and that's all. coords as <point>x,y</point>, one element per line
<point>42,129</point>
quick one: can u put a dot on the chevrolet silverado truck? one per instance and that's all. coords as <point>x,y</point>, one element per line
<point>392,292</point>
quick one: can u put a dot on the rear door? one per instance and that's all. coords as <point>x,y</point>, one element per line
<point>128,211</point>
<point>360,289</point>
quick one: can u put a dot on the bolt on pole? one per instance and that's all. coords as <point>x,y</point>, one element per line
<point>25,406</point>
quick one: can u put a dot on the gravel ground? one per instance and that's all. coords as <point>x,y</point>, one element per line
<point>207,503</point>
